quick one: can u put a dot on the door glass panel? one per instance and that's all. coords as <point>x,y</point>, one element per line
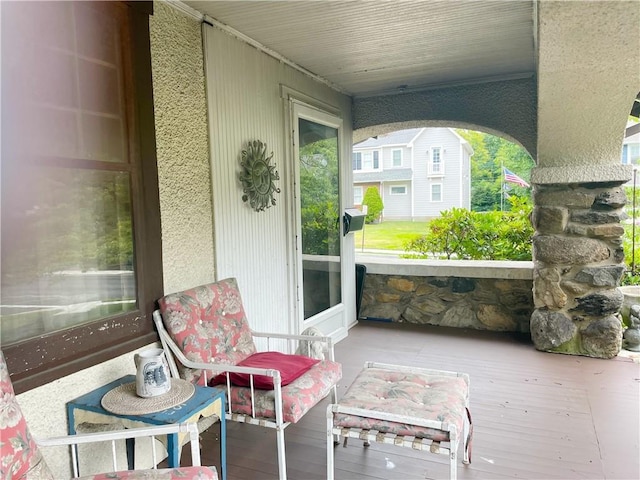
<point>320,216</point>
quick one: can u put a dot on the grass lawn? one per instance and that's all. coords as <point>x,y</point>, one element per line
<point>389,235</point>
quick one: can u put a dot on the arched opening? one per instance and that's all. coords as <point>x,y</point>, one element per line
<point>461,180</point>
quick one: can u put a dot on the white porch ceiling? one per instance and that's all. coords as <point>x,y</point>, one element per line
<point>367,47</point>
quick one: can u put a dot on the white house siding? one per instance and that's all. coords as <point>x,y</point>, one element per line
<point>244,88</point>
<point>466,179</point>
<point>424,208</point>
<point>387,156</point>
<point>182,156</point>
<point>396,206</point>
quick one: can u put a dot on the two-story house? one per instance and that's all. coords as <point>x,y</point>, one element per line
<point>419,172</point>
<point>631,144</point>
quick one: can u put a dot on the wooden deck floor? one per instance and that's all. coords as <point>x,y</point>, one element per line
<point>536,415</point>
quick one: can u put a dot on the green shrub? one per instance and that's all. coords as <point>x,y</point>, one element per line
<point>373,201</point>
<point>463,234</point>
<point>631,250</point>
<point>630,279</point>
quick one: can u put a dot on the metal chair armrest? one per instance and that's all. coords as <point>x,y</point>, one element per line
<point>113,436</point>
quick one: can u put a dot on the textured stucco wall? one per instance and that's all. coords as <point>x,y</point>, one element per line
<point>506,108</point>
<point>588,76</point>
<point>184,173</point>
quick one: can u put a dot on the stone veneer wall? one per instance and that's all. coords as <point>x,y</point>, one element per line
<point>578,259</point>
<point>450,294</point>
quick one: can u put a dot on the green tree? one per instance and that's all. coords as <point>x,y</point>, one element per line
<point>374,204</point>
<point>490,154</point>
<point>319,198</point>
<point>485,178</point>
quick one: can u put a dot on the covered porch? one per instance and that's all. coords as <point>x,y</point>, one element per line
<point>557,77</point>
<point>535,415</point>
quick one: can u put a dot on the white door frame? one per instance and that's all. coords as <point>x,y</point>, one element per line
<point>332,321</point>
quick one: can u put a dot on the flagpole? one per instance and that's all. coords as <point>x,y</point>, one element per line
<point>501,186</point>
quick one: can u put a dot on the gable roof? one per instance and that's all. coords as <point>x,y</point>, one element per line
<point>400,137</point>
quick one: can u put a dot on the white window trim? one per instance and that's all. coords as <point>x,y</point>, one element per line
<point>431,193</point>
<point>439,173</point>
<point>352,155</point>
<point>401,158</point>
<point>361,189</point>
<point>391,187</point>
<point>362,153</point>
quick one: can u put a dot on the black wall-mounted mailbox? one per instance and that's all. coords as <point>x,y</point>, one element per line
<point>353,220</point>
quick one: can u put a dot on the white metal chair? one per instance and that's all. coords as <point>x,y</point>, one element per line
<point>206,330</point>
<point>22,458</point>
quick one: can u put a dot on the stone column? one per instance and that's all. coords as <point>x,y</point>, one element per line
<point>578,265</point>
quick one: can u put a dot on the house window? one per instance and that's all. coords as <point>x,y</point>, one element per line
<point>631,153</point>
<point>357,195</point>
<point>436,166</point>
<point>396,156</point>
<point>436,192</point>
<point>357,161</point>
<point>398,190</point>
<point>370,160</point>
<point>80,208</point>
<point>634,153</point>
<point>366,160</point>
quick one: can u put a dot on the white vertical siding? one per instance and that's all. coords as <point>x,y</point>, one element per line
<point>245,104</point>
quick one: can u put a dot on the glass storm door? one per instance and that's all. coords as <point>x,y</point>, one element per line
<point>318,212</point>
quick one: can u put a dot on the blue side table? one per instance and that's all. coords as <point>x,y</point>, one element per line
<point>205,402</point>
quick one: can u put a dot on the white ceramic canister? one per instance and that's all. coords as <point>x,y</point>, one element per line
<point>152,370</point>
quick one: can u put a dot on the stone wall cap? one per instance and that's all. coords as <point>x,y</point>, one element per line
<point>502,269</point>
<point>598,173</point>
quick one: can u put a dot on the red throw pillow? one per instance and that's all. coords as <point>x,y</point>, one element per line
<point>290,367</point>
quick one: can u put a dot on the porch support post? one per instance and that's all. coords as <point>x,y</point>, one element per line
<point>578,259</point>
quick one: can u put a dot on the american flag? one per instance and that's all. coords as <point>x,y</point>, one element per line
<point>509,176</point>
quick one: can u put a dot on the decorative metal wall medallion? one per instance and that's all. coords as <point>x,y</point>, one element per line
<point>258,176</point>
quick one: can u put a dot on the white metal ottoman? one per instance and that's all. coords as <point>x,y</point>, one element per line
<point>405,406</point>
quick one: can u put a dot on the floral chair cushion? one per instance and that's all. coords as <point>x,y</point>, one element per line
<point>297,398</point>
<point>20,457</point>
<point>427,396</point>
<point>182,473</point>
<point>209,324</point>
<point>19,454</point>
